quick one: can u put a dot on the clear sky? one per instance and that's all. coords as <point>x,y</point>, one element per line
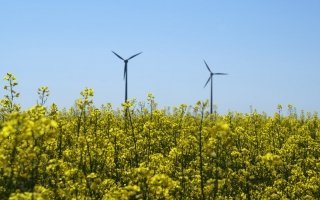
<point>270,49</point>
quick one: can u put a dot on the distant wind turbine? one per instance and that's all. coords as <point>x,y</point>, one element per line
<point>211,74</point>
<point>125,75</point>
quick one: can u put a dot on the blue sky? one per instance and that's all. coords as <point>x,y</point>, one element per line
<point>270,49</point>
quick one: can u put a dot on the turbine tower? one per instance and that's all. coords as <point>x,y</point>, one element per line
<point>210,78</point>
<point>125,75</point>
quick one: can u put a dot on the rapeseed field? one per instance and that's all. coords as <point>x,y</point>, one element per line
<point>142,152</point>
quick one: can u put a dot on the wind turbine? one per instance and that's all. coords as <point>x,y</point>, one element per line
<point>125,75</point>
<point>211,74</point>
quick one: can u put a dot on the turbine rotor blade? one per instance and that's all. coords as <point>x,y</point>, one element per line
<point>118,55</point>
<point>207,66</point>
<point>220,74</point>
<point>207,81</point>
<point>134,56</point>
<point>125,71</point>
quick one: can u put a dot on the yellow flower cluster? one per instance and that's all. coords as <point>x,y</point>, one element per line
<point>142,152</point>
<point>6,104</point>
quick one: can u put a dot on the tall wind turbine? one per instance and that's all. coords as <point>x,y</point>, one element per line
<point>210,78</point>
<point>125,75</point>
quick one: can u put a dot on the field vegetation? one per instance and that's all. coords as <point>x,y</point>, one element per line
<point>142,152</point>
